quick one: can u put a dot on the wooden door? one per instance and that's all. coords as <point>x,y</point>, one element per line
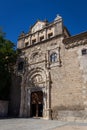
<point>37,104</point>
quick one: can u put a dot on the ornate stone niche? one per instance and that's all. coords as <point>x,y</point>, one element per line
<point>36,81</point>
<point>54,57</point>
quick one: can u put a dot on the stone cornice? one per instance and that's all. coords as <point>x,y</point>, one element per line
<point>80,39</point>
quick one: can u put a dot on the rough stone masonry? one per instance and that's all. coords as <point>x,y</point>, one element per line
<point>50,76</point>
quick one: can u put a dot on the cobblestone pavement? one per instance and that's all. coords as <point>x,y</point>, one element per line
<point>29,124</point>
<point>39,124</point>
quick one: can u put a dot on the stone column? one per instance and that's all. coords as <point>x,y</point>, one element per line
<point>48,109</point>
<point>28,102</point>
<point>45,34</point>
<point>30,40</point>
<point>44,103</point>
<point>38,40</point>
<point>48,60</point>
<point>21,114</point>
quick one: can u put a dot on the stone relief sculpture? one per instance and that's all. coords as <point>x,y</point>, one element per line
<point>37,79</point>
<point>34,57</point>
<point>37,56</point>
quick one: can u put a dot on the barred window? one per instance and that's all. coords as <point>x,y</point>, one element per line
<point>53,57</point>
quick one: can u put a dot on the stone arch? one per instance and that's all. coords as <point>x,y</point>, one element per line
<point>44,87</point>
<point>37,78</point>
<point>36,72</point>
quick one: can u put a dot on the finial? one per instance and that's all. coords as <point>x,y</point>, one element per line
<point>46,20</point>
<point>57,17</point>
<point>22,33</point>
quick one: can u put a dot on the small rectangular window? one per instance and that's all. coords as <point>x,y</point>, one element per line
<point>26,44</point>
<point>33,41</point>
<point>84,52</point>
<point>41,38</point>
<point>50,35</point>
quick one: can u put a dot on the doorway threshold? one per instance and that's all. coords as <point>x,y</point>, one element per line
<point>37,117</point>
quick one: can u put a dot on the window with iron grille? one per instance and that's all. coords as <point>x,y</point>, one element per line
<point>53,57</point>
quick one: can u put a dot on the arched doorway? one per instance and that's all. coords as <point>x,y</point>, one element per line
<point>37,104</point>
<point>37,84</point>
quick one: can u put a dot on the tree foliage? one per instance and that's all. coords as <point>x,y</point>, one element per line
<point>7,59</point>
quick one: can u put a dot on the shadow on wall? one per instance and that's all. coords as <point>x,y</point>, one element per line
<point>3,108</point>
<point>15,96</point>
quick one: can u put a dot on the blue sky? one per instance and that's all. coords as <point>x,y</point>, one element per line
<point>18,15</point>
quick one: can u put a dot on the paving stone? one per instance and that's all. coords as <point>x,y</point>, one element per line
<point>29,124</point>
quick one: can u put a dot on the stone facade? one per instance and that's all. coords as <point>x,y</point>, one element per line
<point>55,64</point>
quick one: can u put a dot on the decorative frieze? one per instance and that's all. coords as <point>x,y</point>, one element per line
<point>76,43</point>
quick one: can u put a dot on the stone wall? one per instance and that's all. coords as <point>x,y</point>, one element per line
<point>70,90</point>
<point>15,92</point>
<point>64,81</point>
<point>75,115</point>
<point>3,108</point>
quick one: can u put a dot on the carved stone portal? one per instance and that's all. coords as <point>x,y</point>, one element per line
<point>35,100</point>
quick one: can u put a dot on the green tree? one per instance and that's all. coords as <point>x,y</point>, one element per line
<point>8,57</point>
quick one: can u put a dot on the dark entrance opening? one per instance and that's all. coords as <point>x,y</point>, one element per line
<point>37,104</point>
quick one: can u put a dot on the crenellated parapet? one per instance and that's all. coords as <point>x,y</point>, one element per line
<point>40,32</point>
